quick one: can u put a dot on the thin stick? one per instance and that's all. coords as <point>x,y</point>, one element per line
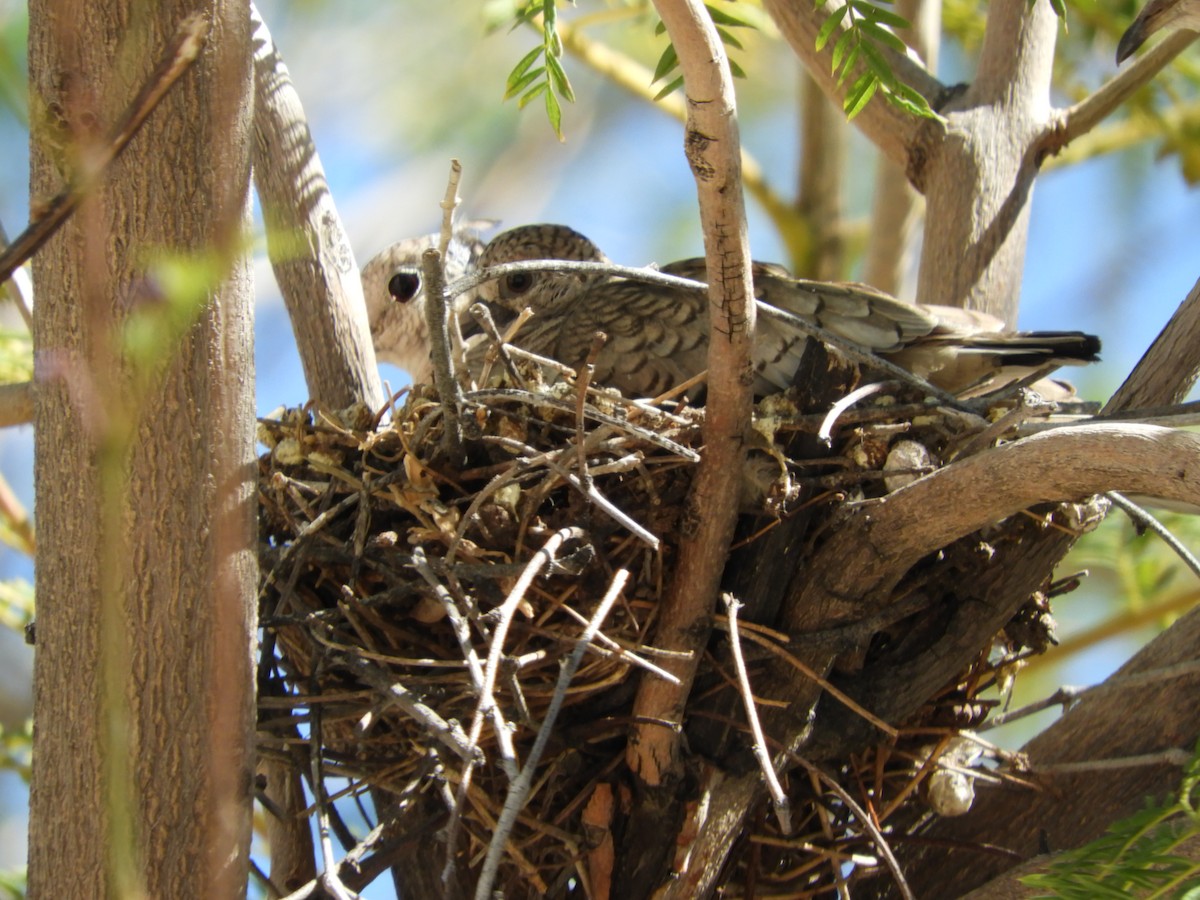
<point>1067,695</point>
<point>328,878</point>
<point>825,432</point>
<point>1146,520</point>
<point>518,791</point>
<point>437,317</point>
<point>779,799</point>
<point>865,821</point>
<point>486,699</point>
<point>449,204</point>
<point>825,685</point>
<point>183,50</point>
<point>483,316</point>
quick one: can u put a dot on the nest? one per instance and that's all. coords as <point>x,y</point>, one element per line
<point>456,638</point>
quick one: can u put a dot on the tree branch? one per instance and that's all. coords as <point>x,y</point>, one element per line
<point>1082,117</point>
<point>312,258</point>
<point>712,148</point>
<point>1168,369</point>
<point>881,541</point>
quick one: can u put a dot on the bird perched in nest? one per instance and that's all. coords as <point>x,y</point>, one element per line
<point>657,336</point>
<point>394,294</point>
<point>1156,16</point>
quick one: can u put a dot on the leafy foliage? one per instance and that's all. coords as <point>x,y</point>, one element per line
<point>548,80</point>
<point>1137,856</point>
<point>867,33</point>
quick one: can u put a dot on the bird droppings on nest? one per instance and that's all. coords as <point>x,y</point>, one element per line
<point>416,614</point>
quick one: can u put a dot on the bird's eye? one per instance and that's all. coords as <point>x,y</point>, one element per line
<point>403,286</point>
<point>518,282</point>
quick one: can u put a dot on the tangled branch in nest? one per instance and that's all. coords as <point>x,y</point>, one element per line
<point>424,611</point>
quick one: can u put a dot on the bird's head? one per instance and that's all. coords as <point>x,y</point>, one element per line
<point>542,291</point>
<point>394,291</point>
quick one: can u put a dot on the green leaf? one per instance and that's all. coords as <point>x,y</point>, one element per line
<point>666,63</point>
<point>877,64</point>
<point>1060,10</point>
<point>554,113</point>
<point>728,39</point>
<point>523,82</point>
<point>887,17</point>
<point>828,26</point>
<point>669,89</point>
<point>848,67</point>
<point>519,70</point>
<point>735,70</point>
<point>882,36</point>
<point>532,94</point>
<point>860,94</point>
<point>911,100</point>
<point>558,78</point>
<point>844,42</point>
<point>660,29</point>
<point>724,18</point>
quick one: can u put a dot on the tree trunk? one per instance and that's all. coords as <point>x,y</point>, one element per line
<point>144,463</point>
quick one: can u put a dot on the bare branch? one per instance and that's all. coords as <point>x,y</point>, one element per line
<point>312,258</point>
<point>1082,117</point>
<point>887,537</point>
<point>1168,369</point>
<point>712,147</point>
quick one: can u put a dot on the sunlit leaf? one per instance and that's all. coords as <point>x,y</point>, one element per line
<point>844,43</point>
<point>666,63</point>
<point>669,89</point>
<point>828,27</point>
<point>558,77</point>
<point>523,82</point>
<point>554,113</point>
<point>532,94</point>
<point>882,36</point>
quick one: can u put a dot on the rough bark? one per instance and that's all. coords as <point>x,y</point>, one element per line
<point>144,468</point>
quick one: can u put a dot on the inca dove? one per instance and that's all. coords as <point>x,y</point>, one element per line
<point>657,336</point>
<point>395,300</point>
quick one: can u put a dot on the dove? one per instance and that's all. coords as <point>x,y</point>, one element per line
<point>657,335</point>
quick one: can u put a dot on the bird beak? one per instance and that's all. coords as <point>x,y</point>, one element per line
<point>1155,16</point>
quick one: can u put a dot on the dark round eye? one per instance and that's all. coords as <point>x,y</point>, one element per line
<point>403,286</point>
<point>519,282</point>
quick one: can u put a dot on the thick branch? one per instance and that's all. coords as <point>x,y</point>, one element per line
<point>712,148</point>
<point>877,545</point>
<point>309,251</point>
<point>978,180</point>
<point>1168,369</point>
